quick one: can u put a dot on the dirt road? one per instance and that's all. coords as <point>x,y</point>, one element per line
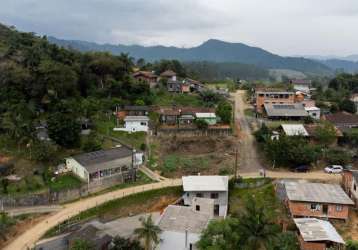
<point>249,161</point>
<point>28,239</point>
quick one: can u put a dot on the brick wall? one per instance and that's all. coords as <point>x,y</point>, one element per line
<point>311,245</point>
<point>303,209</point>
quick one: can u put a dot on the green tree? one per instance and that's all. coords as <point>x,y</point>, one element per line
<point>4,184</point>
<point>348,106</point>
<point>220,235</point>
<point>201,124</point>
<point>43,151</point>
<point>5,223</point>
<point>224,111</point>
<point>284,241</point>
<point>325,134</point>
<point>352,245</point>
<point>64,129</point>
<point>338,156</point>
<point>149,232</point>
<point>91,143</point>
<point>256,228</point>
<point>82,245</point>
<point>120,243</point>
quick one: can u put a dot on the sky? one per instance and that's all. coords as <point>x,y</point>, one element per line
<point>284,27</point>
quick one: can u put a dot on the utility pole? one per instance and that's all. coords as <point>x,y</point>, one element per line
<point>236,162</point>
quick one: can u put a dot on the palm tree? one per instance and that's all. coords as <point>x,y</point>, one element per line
<point>257,227</point>
<point>149,232</point>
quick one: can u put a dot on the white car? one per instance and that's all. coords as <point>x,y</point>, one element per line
<point>333,169</point>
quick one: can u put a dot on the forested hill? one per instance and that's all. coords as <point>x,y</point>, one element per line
<point>212,51</point>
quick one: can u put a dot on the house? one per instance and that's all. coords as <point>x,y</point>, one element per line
<point>134,124</point>
<point>311,130</point>
<point>317,200</point>
<point>124,111</point>
<point>294,111</point>
<point>213,187</point>
<point>178,86</point>
<point>181,225</point>
<point>314,112</point>
<point>180,115</point>
<point>302,85</point>
<point>116,162</point>
<point>273,97</point>
<point>343,120</point>
<point>168,75</point>
<point>147,77</point>
<point>350,184</point>
<point>209,118</point>
<point>294,130</point>
<point>195,85</point>
<point>354,98</point>
<point>315,234</point>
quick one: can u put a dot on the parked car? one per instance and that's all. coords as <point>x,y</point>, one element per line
<point>301,168</point>
<point>334,169</point>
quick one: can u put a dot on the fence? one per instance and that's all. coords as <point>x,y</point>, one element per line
<point>189,132</point>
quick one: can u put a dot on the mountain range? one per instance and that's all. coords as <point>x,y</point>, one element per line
<point>211,51</point>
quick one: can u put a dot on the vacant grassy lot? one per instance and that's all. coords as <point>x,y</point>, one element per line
<point>65,182</point>
<point>105,126</point>
<point>167,99</point>
<point>264,194</point>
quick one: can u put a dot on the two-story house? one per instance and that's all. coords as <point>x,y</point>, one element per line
<point>317,200</point>
<point>273,97</point>
<point>213,187</point>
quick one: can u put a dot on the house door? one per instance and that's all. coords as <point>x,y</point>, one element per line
<point>325,209</point>
<point>216,210</point>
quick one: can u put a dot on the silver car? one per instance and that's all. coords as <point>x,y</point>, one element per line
<point>333,169</point>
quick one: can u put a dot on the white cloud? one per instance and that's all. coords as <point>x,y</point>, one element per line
<point>281,26</point>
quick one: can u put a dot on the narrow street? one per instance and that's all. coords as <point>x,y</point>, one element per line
<point>249,160</point>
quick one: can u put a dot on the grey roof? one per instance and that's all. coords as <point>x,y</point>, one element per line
<point>205,183</point>
<point>136,118</point>
<point>101,156</point>
<point>181,218</point>
<point>312,229</point>
<point>317,192</point>
<point>285,110</point>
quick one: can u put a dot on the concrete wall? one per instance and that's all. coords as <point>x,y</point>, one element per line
<point>176,241</point>
<point>77,169</point>
<point>303,209</point>
<point>222,200</point>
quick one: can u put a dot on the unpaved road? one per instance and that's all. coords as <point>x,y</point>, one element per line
<point>249,160</point>
<point>28,239</point>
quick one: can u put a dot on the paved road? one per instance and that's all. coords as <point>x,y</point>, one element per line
<point>249,160</point>
<point>31,236</point>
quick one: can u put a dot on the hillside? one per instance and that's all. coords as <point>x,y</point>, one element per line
<point>341,65</point>
<point>211,50</point>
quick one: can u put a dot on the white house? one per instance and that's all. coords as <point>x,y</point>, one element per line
<point>314,112</point>
<point>181,226</point>
<point>135,124</point>
<point>213,187</point>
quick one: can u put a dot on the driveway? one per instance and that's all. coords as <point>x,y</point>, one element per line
<point>249,160</point>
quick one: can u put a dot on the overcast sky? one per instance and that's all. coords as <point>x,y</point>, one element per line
<point>285,27</point>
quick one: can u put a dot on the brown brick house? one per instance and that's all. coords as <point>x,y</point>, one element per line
<point>146,76</point>
<point>317,234</point>
<point>273,97</point>
<point>317,200</point>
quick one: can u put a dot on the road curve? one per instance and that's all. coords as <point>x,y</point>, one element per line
<point>28,239</point>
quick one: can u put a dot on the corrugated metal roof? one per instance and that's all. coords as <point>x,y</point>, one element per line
<point>205,115</point>
<point>205,183</point>
<point>312,229</point>
<point>294,129</point>
<point>285,110</point>
<point>317,192</point>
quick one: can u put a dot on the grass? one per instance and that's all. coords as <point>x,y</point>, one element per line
<point>105,127</point>
<point>249,112</point>
<point>134,204</point>
<point>265,195</point>
<point>65,182</point>
<point>28,184</point>
<point>230,85</point>
<point>167,99</point>
<point>172,163</point>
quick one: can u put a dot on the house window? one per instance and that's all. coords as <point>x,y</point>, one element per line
<point>143,123</point>
<point>214,195</point>
<point>197,208</point>
<point>200,195</point>
<point>355,187</point>
<point>339,208</point>
<point>315,207</point>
